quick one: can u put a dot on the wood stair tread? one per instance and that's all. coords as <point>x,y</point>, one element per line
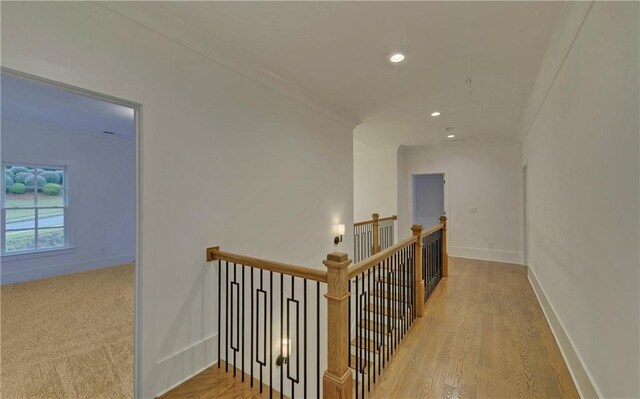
<point>394,296</point>
<point>366,344</point>
<point>383,310</point>
<point>395,281</point>
<point>376,328</point>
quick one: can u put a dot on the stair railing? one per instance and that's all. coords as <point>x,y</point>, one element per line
<point>372,236</point>
<point>384,294</point>
<point>264,313</point>
<point>379,297</point>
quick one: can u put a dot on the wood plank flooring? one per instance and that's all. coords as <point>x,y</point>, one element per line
<point>483,336</point>
<point>214,382</point>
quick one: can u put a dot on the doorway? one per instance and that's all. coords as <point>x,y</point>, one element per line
<point>70,240</point>
<point>428,199</point>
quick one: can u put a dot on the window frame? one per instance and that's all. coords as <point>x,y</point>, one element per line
<point>35,208</point>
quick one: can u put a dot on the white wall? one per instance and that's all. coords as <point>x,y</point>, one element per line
<point>483,196</point>
<point>582,152</point>
<point>101,214</point>
<point>428,199</point>
<point>404,219</point>
<point>270,176</point>
<point>375,178</point>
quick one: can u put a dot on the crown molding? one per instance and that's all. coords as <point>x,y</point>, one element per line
<point>180,32</point>
<point>572,17</point>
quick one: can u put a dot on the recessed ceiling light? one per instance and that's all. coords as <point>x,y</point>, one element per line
<point>435,113</point>
<point>451,136</point>
<point>396,57</point>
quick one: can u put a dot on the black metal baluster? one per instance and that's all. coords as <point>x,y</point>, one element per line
<point>401,289</point>
<point>388,314</point>
<point>318,340</point>
<point>281,332</point>
<point>358,335</point>
<point>368,325</point>
<point>372,319</point>
<point>226,317</point>
<point>234,349</point>
<point>293,297</point>
<point>304,290</point>
<point>393,309</point>
<point>243,304</point>
<point>251,334</point>
<point>413,287</point>
<point>380,287</point>
<point>270,334</point>
<point>219,310</point>
<point>349,321</point>
<point>264,333</point>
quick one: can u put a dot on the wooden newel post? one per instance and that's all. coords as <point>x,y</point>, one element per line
<point>445,254</point>
<point>376,233</point>
<point>337,382</point>
<point>419,278</point>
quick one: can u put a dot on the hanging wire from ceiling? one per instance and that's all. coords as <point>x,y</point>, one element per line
<point>468,79</point>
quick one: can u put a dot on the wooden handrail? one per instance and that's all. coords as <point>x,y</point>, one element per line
<point>371,261</point>
<point>432,229</point>
<point>393,217</point>
<point>214,253</point>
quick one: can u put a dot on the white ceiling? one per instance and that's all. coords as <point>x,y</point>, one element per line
<point>338,51</point>
<point>41,104</point>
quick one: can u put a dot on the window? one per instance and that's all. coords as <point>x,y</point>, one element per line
<point>34,208</point>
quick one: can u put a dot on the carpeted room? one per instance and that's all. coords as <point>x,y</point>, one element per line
<point>68,243</point>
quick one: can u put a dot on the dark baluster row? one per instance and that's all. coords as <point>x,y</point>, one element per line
<point>362,241</point>
<point>255,298</point>
<point>383,312</point>
<point>432,258</point>
<point>386,233</point>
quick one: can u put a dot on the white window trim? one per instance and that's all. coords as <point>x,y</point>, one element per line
<point>20,255</point>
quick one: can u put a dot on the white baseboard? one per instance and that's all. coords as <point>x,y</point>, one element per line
<point>486,254</point>
<point>19,276</point>
<point>181,366</point>
<point>580,373</point>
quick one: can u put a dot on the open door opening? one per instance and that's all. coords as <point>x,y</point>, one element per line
<point>69,236</point>
<point>428,198</point>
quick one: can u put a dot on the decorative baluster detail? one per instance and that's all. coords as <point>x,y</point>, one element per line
<point>445,254</point>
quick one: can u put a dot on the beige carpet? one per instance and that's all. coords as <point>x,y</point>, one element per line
<point>69,336</point>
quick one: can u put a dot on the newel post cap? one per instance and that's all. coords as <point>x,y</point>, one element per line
<point>417,229</point>
<point>337,260</point>
<point>443,219</point>
<point>375,216</point>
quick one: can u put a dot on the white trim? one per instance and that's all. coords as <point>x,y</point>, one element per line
<point>170,365</point>
<point>167,27</point>
<point>570,21</point>
<point>495,255</point>
<point>23,275</point>
<point>18,256</point>
<point>582,378</point>
<point>137,381</point>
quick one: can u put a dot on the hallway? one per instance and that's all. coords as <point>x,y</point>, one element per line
<point>484,335</point>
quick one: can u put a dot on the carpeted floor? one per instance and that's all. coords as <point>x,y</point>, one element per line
<point>69,336</point>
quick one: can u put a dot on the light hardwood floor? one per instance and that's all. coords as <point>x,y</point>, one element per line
<point>215,383</point>
<point>483,336</point>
